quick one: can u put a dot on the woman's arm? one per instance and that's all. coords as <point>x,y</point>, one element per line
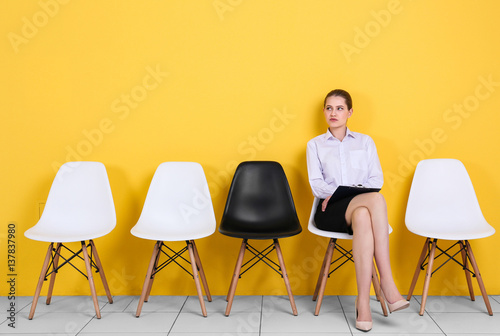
<point>320,188</point>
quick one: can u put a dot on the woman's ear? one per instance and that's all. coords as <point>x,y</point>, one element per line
<point>350,113</point>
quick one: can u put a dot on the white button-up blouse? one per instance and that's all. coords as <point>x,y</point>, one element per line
<point>352,161</point>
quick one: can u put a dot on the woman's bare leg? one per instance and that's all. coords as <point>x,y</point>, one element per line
<point>375,205</point>
<point>363,249</point>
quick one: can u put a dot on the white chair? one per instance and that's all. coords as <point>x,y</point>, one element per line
<point>79,208</point>
<point>442,205</point>
<point>177,207</point>
<point>345,256</point>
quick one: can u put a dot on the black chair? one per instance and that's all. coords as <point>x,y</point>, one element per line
<point>259,206</point>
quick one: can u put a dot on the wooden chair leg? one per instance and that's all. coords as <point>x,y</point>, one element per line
<point>153,274</point>
<point>146,285</point>
<point>194,267</point>
<point>478,277</point>
<point>376,287</point>
<point>41,279</point>
<point>323,277</point>
<point>91,279</point>
<point>376,283</point>
<point>236,276</point>
<point>320,275</point>
<point>201,271</point>
<point>418,269</point>
<point>101,271</point>
<point>463,250</point>
<point>54,273</point>
<point>318,282</point>
<point>428,276</point>
<point>242,250</point>
<point>285,276</point>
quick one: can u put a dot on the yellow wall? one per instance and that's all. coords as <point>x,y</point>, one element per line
<point>136,83</point>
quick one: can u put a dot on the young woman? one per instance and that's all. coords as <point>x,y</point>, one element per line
<point>342,157</point>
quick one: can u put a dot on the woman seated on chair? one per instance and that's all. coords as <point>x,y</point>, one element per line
<point>342,157</point>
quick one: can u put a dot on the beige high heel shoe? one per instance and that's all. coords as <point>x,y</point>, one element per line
<point>398,305</point>
<point>361,325</point>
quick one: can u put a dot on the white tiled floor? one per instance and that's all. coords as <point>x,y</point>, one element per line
<point>250,315</point>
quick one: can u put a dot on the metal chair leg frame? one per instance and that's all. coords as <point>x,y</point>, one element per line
<point>153,269</point>
<point>55,266</point>
<point>467,255</point>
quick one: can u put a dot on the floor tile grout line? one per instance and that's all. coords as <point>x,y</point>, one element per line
<point>95,315</point>
<point>261,312</point>
<point>26,305</point>
<point>492,298</point>
<point>437,324</point>
<point>345,315</point>
<point>86,324</point>
<point>125,309</point>
<point>105,304</point>
<point>178,314</point>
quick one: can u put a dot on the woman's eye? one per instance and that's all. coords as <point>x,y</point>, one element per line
<point>340,108</point>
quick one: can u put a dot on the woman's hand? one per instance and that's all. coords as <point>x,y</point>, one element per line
<point>325,203</point>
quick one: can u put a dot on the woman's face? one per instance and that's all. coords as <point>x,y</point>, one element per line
<point>336,112</point>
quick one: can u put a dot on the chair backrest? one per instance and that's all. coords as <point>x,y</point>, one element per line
<point>178,205</point>
<point>442,199</point>
<point>79,204</point>
<point>260,200</point>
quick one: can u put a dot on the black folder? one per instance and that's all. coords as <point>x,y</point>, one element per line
<point>346,191</point>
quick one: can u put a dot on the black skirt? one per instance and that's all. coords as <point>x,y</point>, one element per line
<point>333,218</point>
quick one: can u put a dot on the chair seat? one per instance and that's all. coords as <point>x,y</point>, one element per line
<point>459,232</point>
<point>164,231</point>
<point>330,234</point>
<point>251,232</point>
<point>64,233</point>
